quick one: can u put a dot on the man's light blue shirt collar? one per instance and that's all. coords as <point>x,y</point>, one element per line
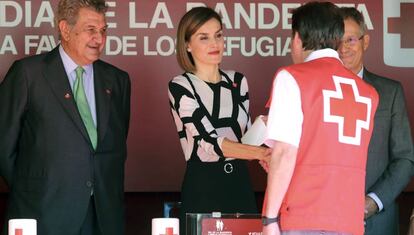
<point>70,66</point>
<point>361,72</point>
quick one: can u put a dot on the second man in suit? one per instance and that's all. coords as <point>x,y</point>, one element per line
<point>64,119</point>
<point>390,152</point>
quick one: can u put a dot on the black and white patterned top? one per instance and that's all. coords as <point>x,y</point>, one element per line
<point>206,113</point>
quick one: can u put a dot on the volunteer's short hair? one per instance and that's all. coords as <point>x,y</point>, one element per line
<point>355,15</point>
<point>69,10</point>
<point>319,25</point>
<point>189,24</point>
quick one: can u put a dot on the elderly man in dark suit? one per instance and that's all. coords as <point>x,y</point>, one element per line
<point>390,154</point>
<point>64,119</point>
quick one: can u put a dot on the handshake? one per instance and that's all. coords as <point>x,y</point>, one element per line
<point>256,136</point>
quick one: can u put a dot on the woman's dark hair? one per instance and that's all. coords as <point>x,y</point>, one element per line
<point>189,24</point>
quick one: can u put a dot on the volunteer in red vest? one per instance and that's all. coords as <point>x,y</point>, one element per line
<point>319,126</point>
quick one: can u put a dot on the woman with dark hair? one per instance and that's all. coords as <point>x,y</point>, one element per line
<point>210,107</point>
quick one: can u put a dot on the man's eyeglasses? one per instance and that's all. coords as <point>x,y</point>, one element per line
<point>350,41</point>
<point>92,31</point>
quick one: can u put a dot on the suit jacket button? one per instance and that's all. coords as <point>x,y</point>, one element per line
<point>89,184</point>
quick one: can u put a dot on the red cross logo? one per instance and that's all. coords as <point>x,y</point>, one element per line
<point>18,231</point>
<point>403,25</point>
<point>348,109</point>
<point>169,231</point>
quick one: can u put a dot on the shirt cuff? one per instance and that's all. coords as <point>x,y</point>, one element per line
<point>376,200</point>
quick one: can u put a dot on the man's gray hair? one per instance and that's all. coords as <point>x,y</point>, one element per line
<point>355,15</point>
<point>69,10</point>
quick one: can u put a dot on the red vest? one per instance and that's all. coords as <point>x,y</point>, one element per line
<point>327,187</point>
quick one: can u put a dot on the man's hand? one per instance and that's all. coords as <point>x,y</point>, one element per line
<point>265,165</point>
<point>271,229</point>
<point>411,228</point>
<point>265,161</point>
<point>370,207</point>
